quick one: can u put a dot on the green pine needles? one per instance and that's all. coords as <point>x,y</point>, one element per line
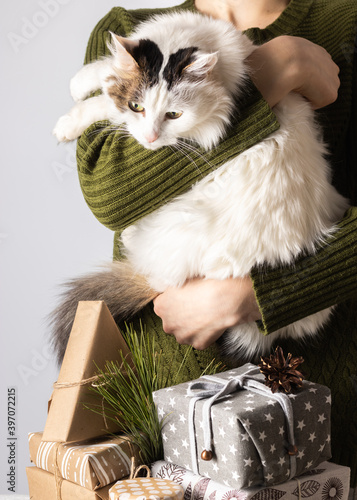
<point>127,392</point>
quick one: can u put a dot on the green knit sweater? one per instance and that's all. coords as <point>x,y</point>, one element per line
<point>122,182</point>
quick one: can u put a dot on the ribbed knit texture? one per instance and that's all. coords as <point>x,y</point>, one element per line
<point>122,182</point>
<point>314,282</point>
<point>133,181</point>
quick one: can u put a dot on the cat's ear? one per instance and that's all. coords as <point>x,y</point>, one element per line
<point>202,65</point>
<point>122,48</point>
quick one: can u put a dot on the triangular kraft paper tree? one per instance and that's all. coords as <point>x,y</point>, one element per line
<point>94,340</point>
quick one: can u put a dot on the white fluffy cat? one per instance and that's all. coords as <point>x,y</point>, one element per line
<point>177,78</point>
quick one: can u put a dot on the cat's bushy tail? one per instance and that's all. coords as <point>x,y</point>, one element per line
<point>124,292</point>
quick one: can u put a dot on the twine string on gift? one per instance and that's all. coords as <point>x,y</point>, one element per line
<point>216,388</point>
<point>58,477</point>
<point>134,471</point>
<point>89,380</point>
<point>85,381</point>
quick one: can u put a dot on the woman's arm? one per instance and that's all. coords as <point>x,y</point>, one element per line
<point>313,283</point>
<point>198,313</point>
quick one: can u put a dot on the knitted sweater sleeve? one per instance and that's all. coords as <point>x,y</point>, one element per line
<point>313,283</point>
<point>319,281</point>
<point>122,181</point>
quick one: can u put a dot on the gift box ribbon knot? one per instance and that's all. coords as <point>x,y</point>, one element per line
<point>216,388</point>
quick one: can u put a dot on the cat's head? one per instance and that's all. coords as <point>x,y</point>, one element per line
<point>167,96</point>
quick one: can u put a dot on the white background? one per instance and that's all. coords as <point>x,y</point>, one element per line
<point>47,233</point>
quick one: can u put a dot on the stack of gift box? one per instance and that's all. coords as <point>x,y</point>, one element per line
<point>81,453</point>
<point>224,436</point>
<point>228,436</point>
<point>78,455</point>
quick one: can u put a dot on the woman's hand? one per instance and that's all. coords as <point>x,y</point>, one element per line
<point>289,63</point>
<point>200,311</point>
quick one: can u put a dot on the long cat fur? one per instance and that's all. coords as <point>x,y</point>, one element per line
<point>266,205</point>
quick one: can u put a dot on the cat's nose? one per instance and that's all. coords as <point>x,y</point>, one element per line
<point>151,137</point>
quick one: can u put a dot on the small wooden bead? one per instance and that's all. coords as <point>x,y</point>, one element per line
<point>292,450</point>
<point>206,455</point>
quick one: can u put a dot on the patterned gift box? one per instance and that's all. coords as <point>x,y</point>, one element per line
<point>146,488</point>
<point>256,437</point>
<point>91,464</point>
<point>327,482</point>
<point>46,486</point>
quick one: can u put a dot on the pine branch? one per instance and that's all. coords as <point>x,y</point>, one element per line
<point>128,391</point>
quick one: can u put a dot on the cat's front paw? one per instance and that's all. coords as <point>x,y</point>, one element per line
<point>66,129</point>
<point>78,87</point>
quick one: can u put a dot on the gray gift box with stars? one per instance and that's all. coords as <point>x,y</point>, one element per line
<point>231,428</point>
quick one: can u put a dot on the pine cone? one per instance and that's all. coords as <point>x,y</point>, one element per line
<point>281,374</point>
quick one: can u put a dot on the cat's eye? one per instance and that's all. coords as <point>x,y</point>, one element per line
<point>134,106</point>
<point>173,114</point>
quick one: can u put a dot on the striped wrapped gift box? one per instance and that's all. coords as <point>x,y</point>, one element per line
<point>92,464</point>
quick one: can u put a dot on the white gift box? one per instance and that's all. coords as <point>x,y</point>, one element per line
<point>328,481</point>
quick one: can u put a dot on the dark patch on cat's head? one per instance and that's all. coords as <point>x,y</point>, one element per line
<point>128,85</point>
<point>125,88</point>
<point>149,58</point>
<point>177,62</point>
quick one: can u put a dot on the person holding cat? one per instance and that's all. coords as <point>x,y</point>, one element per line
<point>121,186</point>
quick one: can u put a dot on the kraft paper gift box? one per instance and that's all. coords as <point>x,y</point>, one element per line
<point>94,340</point>
<point>92,464</point>
<point>325,482</point>
<point>251,436</point>
<point>46,486</point>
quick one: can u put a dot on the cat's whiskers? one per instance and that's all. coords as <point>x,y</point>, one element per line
<point>191,147</point>
<point>106,130</point>
<point>187,145</point>
<point>182,145</point>
<point>180,149</point>
<point>97,130</point>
